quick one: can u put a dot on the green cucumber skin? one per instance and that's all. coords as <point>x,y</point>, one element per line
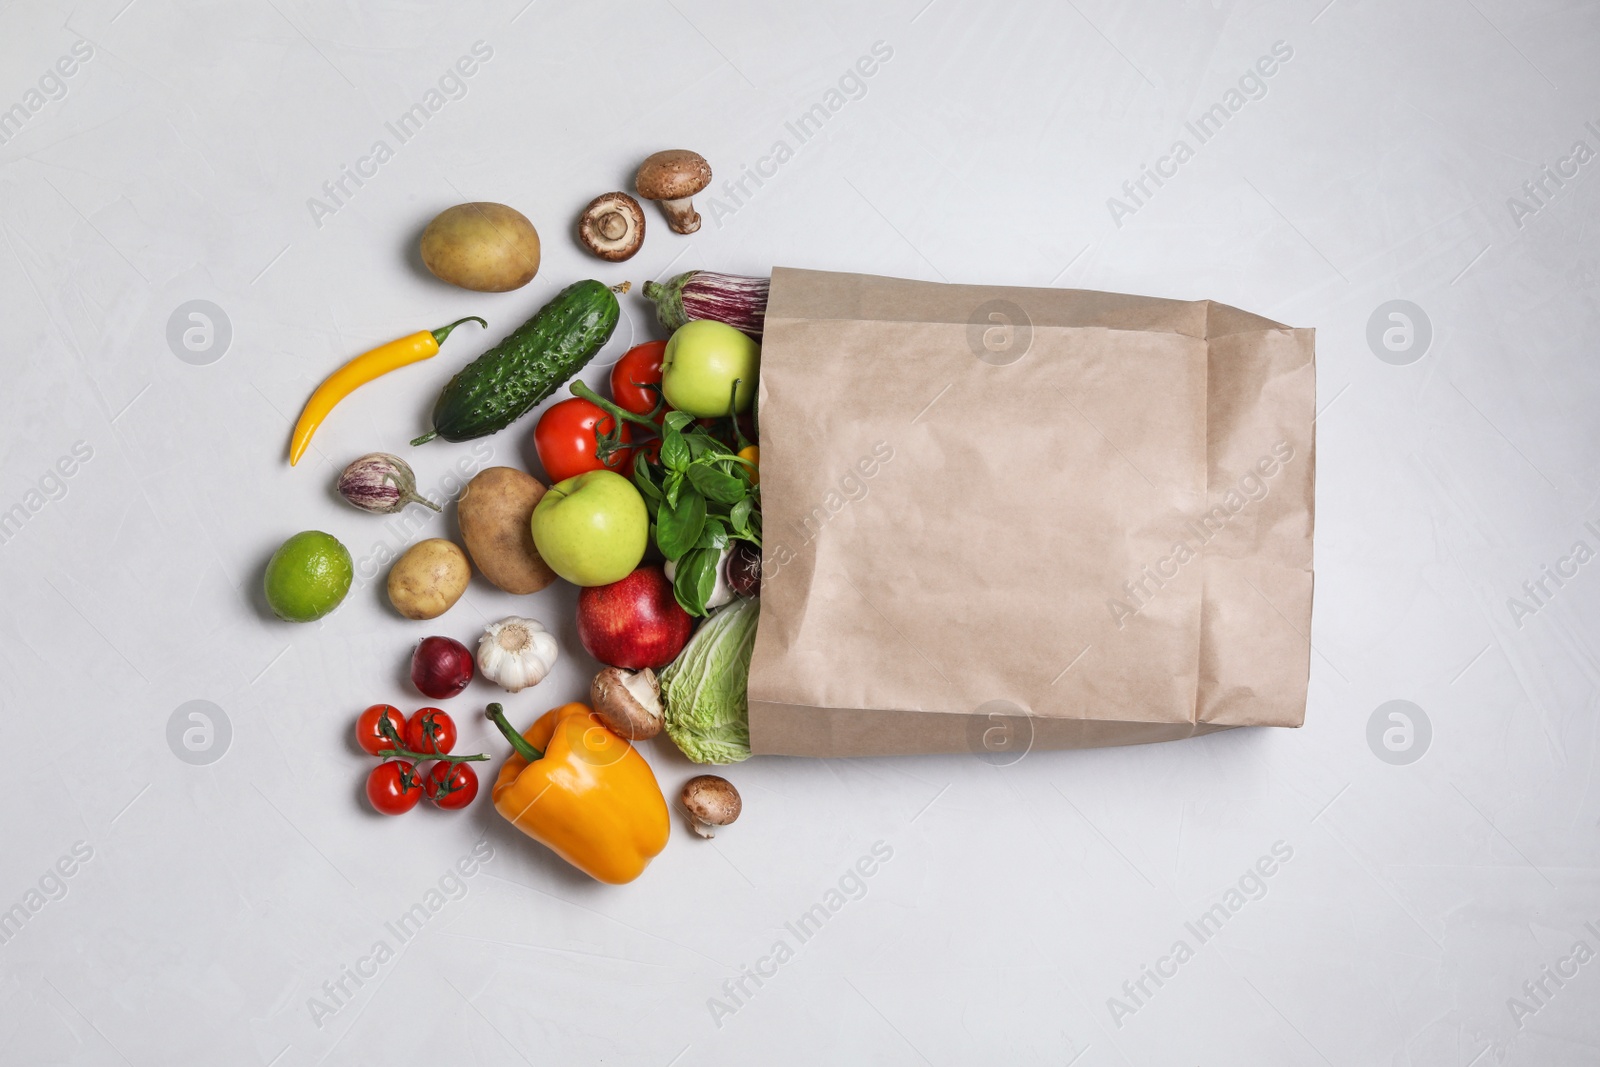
<point>534,360</point>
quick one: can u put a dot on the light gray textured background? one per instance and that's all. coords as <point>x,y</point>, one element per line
<point>176,163</point>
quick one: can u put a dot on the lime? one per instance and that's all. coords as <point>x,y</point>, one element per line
<point>308,576</point>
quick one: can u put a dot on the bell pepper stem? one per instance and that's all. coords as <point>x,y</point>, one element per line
<point>519,744</point>
<point>444,331</point>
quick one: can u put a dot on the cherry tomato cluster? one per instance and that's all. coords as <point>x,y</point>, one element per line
<point>396,785</point>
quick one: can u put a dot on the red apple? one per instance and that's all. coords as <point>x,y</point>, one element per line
<point>634,623</point>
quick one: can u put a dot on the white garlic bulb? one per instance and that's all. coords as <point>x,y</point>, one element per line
<point>515,653</point>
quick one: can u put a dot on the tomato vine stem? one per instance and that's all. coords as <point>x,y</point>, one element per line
<point>400,751</point>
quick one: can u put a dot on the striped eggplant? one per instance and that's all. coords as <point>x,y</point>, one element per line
<point>381,483</point>
<point>702,294</point>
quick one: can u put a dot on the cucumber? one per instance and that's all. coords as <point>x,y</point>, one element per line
<point>535,359</point>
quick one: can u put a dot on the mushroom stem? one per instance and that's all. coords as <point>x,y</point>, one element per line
<point>612,225</point>
<point>681,215</point>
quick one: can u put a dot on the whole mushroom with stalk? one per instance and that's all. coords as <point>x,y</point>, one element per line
<point>672,178</point>
<point>628,702</point>
<point>612,226</point>
<point>710,801</point>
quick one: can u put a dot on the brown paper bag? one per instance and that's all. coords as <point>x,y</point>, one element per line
<point>998,519</point>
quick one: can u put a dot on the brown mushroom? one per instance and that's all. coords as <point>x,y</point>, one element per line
<point>612,226</point>
<point>673,177</point>
<point>628,702</point>
<point>711,802</point>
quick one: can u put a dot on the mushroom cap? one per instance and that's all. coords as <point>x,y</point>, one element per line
<point>612,226</point>
<point>672,175</point>
<point>628,702</point>
<point>711,801</point>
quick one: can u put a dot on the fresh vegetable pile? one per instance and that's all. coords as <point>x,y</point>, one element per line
<point>653,508</point>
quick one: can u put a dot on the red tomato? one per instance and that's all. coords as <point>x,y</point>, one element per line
<point>452,785</point>
<point>641,366</point>
<point>430,730</point>
<point>393,787</point>
<point>370,735</point>
<point>566,438</point>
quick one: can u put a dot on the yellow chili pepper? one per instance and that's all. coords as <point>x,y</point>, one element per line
<point>361,370</point>
<point>753,454</point>
<point>576,787</point>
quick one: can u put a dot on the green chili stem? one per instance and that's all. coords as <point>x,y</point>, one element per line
<point>444,331</point>
<point>519,744</point>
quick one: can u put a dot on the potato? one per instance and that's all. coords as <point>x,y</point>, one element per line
<point>486,247</point>
<point>428,580</point>
<point>495,510</point>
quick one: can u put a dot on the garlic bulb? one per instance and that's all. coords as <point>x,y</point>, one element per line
<point>515,653</point>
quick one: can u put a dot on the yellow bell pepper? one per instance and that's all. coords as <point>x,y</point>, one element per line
<point>359,371</point>
<point>576,787</point>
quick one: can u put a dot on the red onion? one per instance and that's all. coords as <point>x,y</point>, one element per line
<point>441,667</point>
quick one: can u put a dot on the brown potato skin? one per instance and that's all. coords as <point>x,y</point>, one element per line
<point>485,247</point>
<point>428,580</point>
<point>495,512</point>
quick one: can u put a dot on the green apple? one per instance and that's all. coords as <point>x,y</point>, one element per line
<point>700,365</point>
<point>591,528</point>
